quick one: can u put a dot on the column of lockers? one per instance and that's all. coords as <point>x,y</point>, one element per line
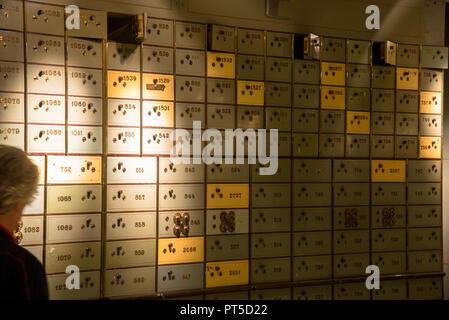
<point>12,118</point>
<point>181,214</point>
<point>73,220</point>
<point>271,195</point>
<point>424,196</point>
<point>227,193</point>
<point>130,244</point>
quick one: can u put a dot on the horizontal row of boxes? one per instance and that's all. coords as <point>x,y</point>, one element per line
<point>48,19</point>
<point>236,221</point>
<point>226,244</point>
<point>182,115</point>
<point>189,89</point>
<point>126,141</point>
<point>87,227</point>
<point>426,288</point>
<point>359,146</point>
<point>47,50</point>
<point>123,170</point>
<point>141,281</point>
<point>221,196</point>
<point>163,114</point>
<point>50,79</point>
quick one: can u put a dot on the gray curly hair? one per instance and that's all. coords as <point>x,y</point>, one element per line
<point>19,177</point>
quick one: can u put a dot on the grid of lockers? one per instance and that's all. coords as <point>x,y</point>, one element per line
<point>164,228</point>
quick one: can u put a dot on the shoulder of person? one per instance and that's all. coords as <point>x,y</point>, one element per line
<point>16,254</point>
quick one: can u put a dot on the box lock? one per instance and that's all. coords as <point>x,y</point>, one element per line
<point>227,273</point>
<point>87,283</point>
<point>118,252</point>
<point>89,196</point>
<point>156,111</point>
<point>388,217</point>
<point>41,104</point>
<point>119,222</point>
<point>36,47</point>
<point>89,49</point>
<point>170,276</point>
<point>122,109</point>
<point>88,224</point>
<point>120,137</point>
<point>120,167</point>
<point>181,224</point>
<point>119,196</point>
<point>88,167</point>
<point>90,136</point>
<point>88,253</point>
<point>227,222</point>
<point>89,107</point>
<point>351,218</point>
<point>189,112</point>
<point>39,14</point>
<point>117,280</point>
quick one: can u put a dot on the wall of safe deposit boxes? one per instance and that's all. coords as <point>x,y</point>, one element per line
<point>359,179</point>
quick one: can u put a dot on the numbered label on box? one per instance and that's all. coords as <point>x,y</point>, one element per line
<point>85,111</point>
<point>126,254</point>
<point>46,109</point>
<point>407,79</point>
<point>333,97</point>
<point>87,256</point>
<point>46,139</point>
<point>123,84</point>
<point>87,140</point>
<point>93,24</point>
<point>176,197</point>
<point>13,135</point>
<point>250,93</point>
<point>90,283</point>
<point>73,170</point>
<point>44,18</point>
<point>131,170</point>
<point>131,198</point>
<point>388,170</point>
<point>185,250</point>
<point>12,44</point>
<point>430,102</point>
<point>158,114</point>
<point>430,147</point>
<point>130,225</point>
<point>45,49</point>
<point>30,230</point>
<point>157,86</point>
<point>135,282</point>
<point>73,228</point>
<point>84,53</point>
<point>123,112</point>
<point>227,273</point>
<point>45,79</point>
<point>124,141</point>
<point>12,107</point>
<point>73,199</point>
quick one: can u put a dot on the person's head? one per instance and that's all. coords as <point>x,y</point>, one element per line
<point>19,177</point>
